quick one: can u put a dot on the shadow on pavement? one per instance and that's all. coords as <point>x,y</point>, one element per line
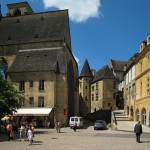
<point>42,132</point>
<point>37,143</point>
<point>145,142</point>
<point>131,131</point>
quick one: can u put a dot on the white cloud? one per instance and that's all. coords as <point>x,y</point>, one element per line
<point>79,10</point>
<point>77,60</point>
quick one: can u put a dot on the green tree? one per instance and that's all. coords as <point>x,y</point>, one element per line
<point>9,97</point>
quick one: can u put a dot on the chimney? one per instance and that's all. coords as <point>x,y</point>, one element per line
<point>148,39</point>
<point>143,45</point>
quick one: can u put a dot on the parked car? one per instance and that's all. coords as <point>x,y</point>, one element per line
<point>100,124</point>
<point>76,120</point>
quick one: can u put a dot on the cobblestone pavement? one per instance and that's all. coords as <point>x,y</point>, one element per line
<point>82,139</point>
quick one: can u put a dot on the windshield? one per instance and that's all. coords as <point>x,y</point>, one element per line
<point>99,121</point>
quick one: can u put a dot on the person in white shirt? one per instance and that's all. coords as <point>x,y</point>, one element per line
<point>30,135</point>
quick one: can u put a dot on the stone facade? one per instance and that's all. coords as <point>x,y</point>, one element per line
<point>85,95</point>
<point>103,95</point>
<point>40,59</point>
<point>97,90</point>
<point>129,90</point>
<point>142,103</point>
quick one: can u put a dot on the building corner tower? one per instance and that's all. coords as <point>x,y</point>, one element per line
<point>85,89</point>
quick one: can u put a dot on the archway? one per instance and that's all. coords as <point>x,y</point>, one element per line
<point>143,116</point>
<point>131,113</point>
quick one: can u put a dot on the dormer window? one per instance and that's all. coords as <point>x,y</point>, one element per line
<point>9,38</point>
<point>36,36</point>
<point>143,45</point>
<point>17,12</point>
<point>148,39</point>
<point>42,19</point>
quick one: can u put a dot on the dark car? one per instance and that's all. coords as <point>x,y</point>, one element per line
<point>100,124</point>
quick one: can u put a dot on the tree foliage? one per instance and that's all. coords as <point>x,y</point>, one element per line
<point>9,97</point>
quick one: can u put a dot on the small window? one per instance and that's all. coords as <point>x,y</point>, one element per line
<point>86,87</point>
<point>9,38</point>
<point>31,83</point>
<point>97,86</point>
<point>109,104</point>
<point>41,85</point>
<point>36,36</point>
<point>41,102</point>
<point>80,84</point>
<point>42,18</point>
<point>31,101</point>
<point>17,12</point>
<point>76,119</point>
<point>92,88</point>
<point>22,102</point>
<point>22,86</point>
<point>92,97</point>
<point>96,96</point>
<point>72,119</point>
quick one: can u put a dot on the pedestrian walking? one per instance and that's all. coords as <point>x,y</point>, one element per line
<point>30,135</point>
<point>75,127</point>
<point>26,132</point>
<point>9,128</point>
<point>56,126</point>
<point>138,131</point>
<point>33,129</point>
<point>59,126</point>
<point>22,132</point>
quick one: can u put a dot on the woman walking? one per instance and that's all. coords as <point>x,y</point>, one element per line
<point>30,135</point>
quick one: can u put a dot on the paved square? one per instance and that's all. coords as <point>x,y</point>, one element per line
<point>83,139</point>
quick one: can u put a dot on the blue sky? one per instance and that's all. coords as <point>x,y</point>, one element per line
<point>100,29</point>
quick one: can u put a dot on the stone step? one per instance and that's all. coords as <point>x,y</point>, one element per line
<point>122,119</point>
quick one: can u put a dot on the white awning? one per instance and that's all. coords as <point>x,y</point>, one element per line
<point>33,112</point>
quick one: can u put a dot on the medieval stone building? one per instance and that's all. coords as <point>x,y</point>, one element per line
<point>96,89</point>
<point>142,102</point>
<point>117,67</point>
<point>38,51</point>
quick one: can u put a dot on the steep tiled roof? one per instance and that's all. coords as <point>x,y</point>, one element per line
<point>45,26</point>
<point>118,65</point>
<point>103,73</point>
<point>86,71</point>
<point>40,60</point>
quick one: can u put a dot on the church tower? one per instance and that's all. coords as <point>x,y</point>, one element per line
<point>85,89</point>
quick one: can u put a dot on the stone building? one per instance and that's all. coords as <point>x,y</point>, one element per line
<point>117,68</point>
<point>129,87</point>
<point>38,51</point>
<point>103,90</point>
<point>142,103</point>
<point>96,89</point>
<point>85,79</point>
